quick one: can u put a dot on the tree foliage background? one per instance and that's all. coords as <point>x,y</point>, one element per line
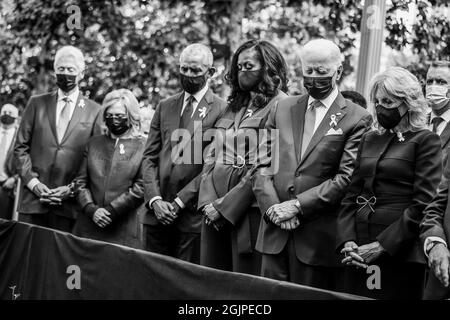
<point>136,43</point>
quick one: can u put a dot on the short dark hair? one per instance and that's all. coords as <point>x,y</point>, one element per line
<point>355,97</point>
<point>274,75</point>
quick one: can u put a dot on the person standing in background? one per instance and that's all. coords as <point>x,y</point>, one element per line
<point>9,115</point>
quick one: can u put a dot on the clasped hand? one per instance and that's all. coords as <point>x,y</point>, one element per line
<point>166,212</point>
<point>361,256</point>
<point>213,217</point>
<point>51,196</point>
<point>284,215</point>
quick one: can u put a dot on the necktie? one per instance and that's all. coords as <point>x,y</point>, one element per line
<point>310,120</point>
<point>3,152</point>
<point>187,112</point>
<point>64,119</point>
<point>436,122</point>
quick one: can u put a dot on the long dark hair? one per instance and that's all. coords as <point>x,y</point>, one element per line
<point>274,76</point>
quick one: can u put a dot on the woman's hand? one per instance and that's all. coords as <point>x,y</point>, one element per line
<point>211,213</point>
<point>101,217</point>
<point>352,255</point>
<point>371,251</point>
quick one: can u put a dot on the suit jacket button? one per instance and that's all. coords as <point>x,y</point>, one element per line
<point>297,174</point>
<point>291,189</point>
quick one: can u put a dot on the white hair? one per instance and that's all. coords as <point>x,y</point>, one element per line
<point>201,50</point>
<point>70,51</point>
<point>324,51</point>
<point>11,108</point>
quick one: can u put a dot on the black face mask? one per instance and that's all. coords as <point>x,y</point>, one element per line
<point>318,87</point>
<point>66,82</point>
<point>388,118</point>
<point>249,80</point>
<point>193,85</point>
<point>7,119</point>
<point>117,126</point>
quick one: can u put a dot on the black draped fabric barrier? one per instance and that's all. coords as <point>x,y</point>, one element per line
<point>40,263</point>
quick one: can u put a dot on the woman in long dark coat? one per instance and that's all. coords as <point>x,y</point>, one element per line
<point>109,186</point>
<point>258,80</point>
<point>398,169</point>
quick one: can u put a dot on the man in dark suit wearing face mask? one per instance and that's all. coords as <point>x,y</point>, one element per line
<point>438,97</point>
<point>172,168</point>
<point>319,134</point>
<point>51,139</point>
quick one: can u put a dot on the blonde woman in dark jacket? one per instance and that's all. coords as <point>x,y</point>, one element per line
<point>109,186</point>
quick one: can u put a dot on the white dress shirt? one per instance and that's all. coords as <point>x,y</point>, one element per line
<point>198,97</point>
<point>9,134</point>
<point>440,128</point>
<point>322,111</point>
<point>73,97</point>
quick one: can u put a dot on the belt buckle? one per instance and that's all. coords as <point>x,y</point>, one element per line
<point>239,166</point>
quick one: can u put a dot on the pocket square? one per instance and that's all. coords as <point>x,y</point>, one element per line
<point>334,132</point>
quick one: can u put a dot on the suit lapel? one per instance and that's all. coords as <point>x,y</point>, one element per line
<point>202,110</point>
<point>445,135</point>
<point>338,105</point>
<point>298,122</point>
<point>174,112</point>
<point>238,117</point>
<point>76,117</point>
<point>52,101</point>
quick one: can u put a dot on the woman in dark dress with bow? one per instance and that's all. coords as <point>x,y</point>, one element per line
<point>398,169</point>
<point>109,186</point>
<point>258,80</point>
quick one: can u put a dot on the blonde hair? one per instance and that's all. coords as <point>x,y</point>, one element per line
<point>401,85</point>
<point>125,98</point>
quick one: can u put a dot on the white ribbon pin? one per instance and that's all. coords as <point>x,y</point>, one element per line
<point>333,122</point>
<point>249,113</point>
<point>121,149</point>
<point>81,104</point>
<point>202,112</point>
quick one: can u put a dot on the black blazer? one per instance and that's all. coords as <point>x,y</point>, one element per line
<point>403,177</point>
<point>162,176</point>
<point>39,154</point>
<point>318,180</point>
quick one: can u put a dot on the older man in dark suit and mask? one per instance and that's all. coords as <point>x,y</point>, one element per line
<point>52,137</point>
<point>438,97</point>
<point>172,167</point>
<point>319,134</point>
<point>8,177</point>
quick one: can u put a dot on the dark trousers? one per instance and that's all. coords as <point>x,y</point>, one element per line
<point>399,280</point>
<point>170,241</point>
<point>220,249</point>
<point>6,204</point>
<point>434,289</point>
<point>285,266</point>
<point>48,220</point>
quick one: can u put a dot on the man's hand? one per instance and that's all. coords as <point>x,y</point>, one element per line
<point>164,212</point>
<point>211,213</point>
<point>9,183</point>
<point>284,211</point>
<point>438,259</point>
<point>102,217</point>
<point>290,224</point>
<point>41,190</point>
<point>62,192</point>
<point>371,251</point>
<point>352,257</point>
